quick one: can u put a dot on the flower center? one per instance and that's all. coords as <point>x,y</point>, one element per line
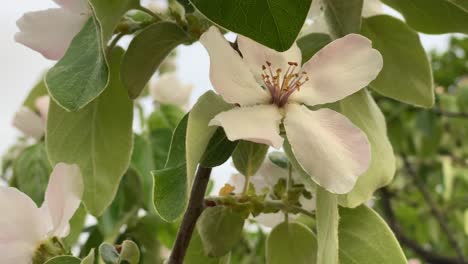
<point>281,86</point>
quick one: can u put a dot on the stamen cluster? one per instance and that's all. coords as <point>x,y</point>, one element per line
<point>281,86</point>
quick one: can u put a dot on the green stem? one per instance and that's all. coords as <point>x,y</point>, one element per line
<point>246,185</point>
<point>238,201</point>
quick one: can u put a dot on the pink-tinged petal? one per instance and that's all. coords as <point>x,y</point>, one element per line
<point>77,6</point>
<point>168,89</point>
<point>258,123</point>
<point>22,226</point>
<point>29,123</point>
<point>255,55</point>
<point>63,197</point>
<point>17,252</point>
<point>340,69</point>
<point>42,105</point>
<point>230,76</point>
<point>50,31</point>
<point>329,147</point>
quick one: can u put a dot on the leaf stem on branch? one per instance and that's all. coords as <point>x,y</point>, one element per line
<point>194,210</point>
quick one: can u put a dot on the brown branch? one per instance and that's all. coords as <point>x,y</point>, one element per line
<point>194,210</point>
<point>405,240</point>
<point>439,216</point>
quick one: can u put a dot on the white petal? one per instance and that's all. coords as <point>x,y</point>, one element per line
<point>340,69</point>
<point>372,8</point>
<point>169,90</point>
<point>229,75</point>
<point>255,55</point>
<point>77,6</point>
<point>258,123</point>
<point>50,31</point>
<point>63,197</point>
<point>42,105</point>
<point>317,15</point>
<point>22,226</point>
<point>30,123</point>
<point>331,149</point>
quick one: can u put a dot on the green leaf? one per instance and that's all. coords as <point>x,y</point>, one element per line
<point>109,254</point>
<point>108,13</point>
<point>196,253</point>
<point>170,184</point>
<point>198,131</point>
<point>433,16</point>
<point>90,258</point>
<point>31,170</point>
<point>40,89</point>
<point>291,243</point>
<point>362,110</point>
<point>460,3</point>
<point>77,223</point>
<point>220,229</point>
<point>327,226</point>
<point>279,159</point>
<point>177,152</point>
<point>311,44</point>
<point>82,74</point>
<point>343,17</point>
<point>142,162</point>
<point>218,151</point>
<point>406,75</point>
<point>274,24</point>
<point>98,138</point>
<point>170,192</point>
<point>248,157</point>
<point>130,253</point>
<point>146,52</point>
<point>160,144</point>
<point>124,206</point>
<point>63,260</point>
<point>366,239</point>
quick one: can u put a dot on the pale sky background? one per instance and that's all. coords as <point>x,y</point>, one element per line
<point>20,67</point>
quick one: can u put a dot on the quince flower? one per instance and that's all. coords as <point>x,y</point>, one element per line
<point>272,89</point>
<point>168,89</point>
<point>51,31</point>
<point>31,123</point>
<point>24,226</point>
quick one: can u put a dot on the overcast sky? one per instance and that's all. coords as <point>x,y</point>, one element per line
<point>21,67</point>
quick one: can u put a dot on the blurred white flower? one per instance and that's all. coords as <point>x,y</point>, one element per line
<point>29,122</point>
<point>158,6</point>
<point>51,31</point>
<point>24,226</point>
<point>317,23</point>
<point>414,261</point>
<point>168,89</point>
<point>266,178</point>
<point>272,88</point>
